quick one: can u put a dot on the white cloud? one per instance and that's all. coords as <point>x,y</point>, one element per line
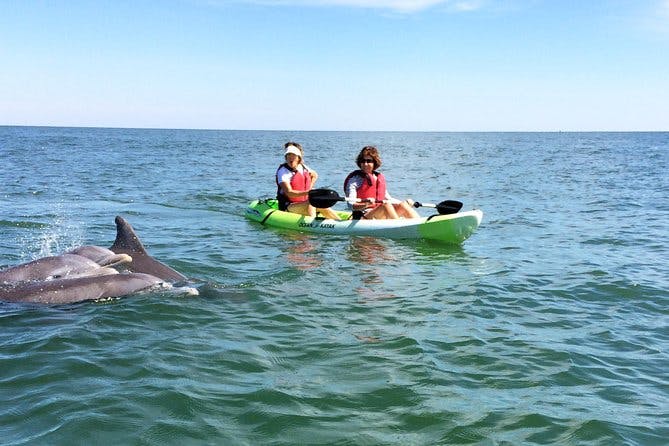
<point>467,5</point>
<point>393,5</point>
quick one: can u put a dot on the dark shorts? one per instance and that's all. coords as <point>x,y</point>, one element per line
<point>283,203</point>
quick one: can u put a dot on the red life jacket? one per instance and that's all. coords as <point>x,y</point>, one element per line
<point>373,186</point>
<point>299,181</point>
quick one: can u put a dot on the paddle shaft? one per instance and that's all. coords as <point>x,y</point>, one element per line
<point>325,198</point>
<point>444,208</point>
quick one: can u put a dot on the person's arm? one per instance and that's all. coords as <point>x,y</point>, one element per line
<point>352,195</point>
<point>313,174</point>
<point>287,189</point>
<point>390,199</point>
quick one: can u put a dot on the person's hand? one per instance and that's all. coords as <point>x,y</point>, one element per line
<point>410,201</point>
<point>370,200</point>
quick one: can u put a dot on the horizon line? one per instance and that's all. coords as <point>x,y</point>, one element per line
<point>323,130</point>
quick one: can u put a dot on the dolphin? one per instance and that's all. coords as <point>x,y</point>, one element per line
<point>62,291</point>
<point>48,268</point>
<point>127,242</point>
<point>86,273</point>
<point>101,256</point>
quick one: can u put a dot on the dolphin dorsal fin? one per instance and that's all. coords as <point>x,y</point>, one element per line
<point>126,239</point>
<point>127,242</point>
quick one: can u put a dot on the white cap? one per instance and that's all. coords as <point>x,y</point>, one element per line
<point>294,150</point>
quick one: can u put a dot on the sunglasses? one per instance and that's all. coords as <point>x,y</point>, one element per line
<point>367,160</point>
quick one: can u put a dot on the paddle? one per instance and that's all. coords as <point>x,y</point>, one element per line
<point>444,208</point>
<point>326,198</point>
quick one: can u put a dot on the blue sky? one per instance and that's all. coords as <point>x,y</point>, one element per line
<point>424,65</point>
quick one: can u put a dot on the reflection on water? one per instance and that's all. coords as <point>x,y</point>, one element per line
<point>367,339</point>
<point>369,250</point>
<point>431,251</point>
<point>371,253</point>
<point>302,252</point>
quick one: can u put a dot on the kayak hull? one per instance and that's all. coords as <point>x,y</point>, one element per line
<point>453,228</point>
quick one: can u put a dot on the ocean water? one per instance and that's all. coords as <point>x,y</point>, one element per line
<point>550,325</point>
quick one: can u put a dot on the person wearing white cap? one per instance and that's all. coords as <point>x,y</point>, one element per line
<point>294,181</point>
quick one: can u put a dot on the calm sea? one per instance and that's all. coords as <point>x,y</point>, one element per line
<point>550,325</point>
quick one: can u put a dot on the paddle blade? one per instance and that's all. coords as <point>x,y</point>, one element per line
<point>449,207</point>
<point>323,198</point>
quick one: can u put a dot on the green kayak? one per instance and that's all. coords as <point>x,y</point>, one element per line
<point>453,228</point>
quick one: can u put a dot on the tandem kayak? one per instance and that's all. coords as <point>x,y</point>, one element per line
<point>453,228</point>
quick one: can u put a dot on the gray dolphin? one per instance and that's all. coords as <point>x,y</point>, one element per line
<point>127,242</point>
<point>84,273</point>
<point>48,268</point>
<point>101,256</point>
<point>62,291</point>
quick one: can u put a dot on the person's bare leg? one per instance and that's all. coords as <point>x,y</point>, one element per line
<point>303,208</point>
<point>405,210</point>
<point>328,213</point>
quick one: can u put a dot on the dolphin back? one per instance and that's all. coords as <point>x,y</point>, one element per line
<point>46,268</point>
<point>61,291</point>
